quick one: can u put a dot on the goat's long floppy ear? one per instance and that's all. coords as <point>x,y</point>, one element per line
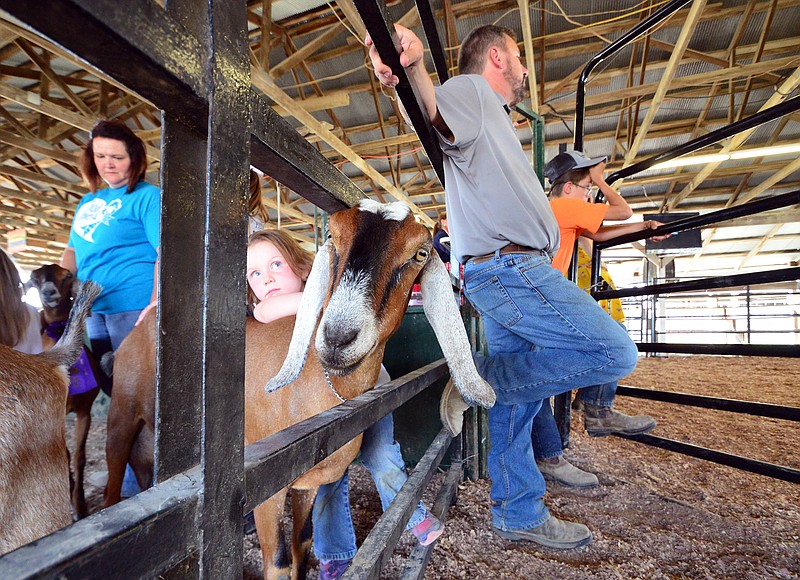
<point>305,322</point>
<point>442,313</point>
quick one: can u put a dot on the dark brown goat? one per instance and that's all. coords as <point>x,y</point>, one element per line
<point>57,288</point>
<point>34,488</point>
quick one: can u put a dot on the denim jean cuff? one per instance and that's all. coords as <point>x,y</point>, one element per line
<point>549,455</point>
<point>597,402</point>
<point>496,522</point>
<point>417,517</point>
<point>349,555</point>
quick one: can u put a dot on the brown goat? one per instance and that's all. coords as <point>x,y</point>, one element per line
<point>34,488</point>
<point>361,282</point>
<point>57,288</point>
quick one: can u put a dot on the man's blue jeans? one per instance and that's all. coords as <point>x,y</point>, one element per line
<point>546,438</point>
<point>545,336</point>
<point>334,536</point>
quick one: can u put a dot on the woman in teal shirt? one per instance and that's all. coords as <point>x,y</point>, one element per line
<point>115,234</point>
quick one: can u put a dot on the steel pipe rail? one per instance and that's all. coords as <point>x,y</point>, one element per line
<point>648,23</point>
<point>775,112</point>
<point>729,459</point>
<point>750,279</point>
<point>779,350</point>
<point>380,25</point>
<point>718,403</point>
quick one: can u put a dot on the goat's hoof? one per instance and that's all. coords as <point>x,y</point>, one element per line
<point>478,393</point>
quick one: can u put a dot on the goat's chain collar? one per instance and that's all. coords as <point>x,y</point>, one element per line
<point>330,384</point>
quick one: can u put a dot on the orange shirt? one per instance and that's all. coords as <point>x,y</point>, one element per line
<point>574,216</point>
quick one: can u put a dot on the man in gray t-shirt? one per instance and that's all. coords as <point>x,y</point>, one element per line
<point>545,335</point>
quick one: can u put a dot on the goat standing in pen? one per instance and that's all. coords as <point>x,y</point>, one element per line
<point>57,288</point>
<point>361,282</point>
<point>34,469</point>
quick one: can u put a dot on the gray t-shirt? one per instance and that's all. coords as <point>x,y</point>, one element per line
<point>493,196</point>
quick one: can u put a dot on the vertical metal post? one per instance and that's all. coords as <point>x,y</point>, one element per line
<point>228,74</point>
<point>747,298</point>
<point>634,33</point>
<point>183,216</point>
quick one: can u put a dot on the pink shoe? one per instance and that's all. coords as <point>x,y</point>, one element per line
<point>428,530</point>
<point>332,569</point>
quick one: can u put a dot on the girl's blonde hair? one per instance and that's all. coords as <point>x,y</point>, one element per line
<point>298,259</point>
<point>15,315</point>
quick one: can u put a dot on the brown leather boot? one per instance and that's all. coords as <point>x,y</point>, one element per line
<point>602,421</point>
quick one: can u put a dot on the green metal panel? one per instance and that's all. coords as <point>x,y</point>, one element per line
<point>417,422</point>
<point>537,139</point>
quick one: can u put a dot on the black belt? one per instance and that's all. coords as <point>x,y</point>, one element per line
<point>509,249</point>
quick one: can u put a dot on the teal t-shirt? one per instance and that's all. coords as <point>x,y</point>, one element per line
<point>115,237</point>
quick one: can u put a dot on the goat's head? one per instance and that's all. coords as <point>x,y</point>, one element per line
<point>363,277</point>
<point>57,286</point>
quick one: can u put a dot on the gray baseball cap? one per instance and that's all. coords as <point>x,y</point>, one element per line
<point>568,161</point>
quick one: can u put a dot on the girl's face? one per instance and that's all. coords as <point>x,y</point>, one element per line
<point>112,161</point>
<point>268,273</point>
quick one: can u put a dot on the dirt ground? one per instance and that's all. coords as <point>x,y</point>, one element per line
<point>656,514</point>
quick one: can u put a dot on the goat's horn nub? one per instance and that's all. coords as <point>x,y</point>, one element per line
<point>305,322</point>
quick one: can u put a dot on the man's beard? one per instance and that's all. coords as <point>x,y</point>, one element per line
<point>518,87</point>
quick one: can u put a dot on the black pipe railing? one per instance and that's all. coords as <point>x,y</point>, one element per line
<point>729,213</point>
<point>718,403</point>
<point>765,277</point>
<point>614,47</point>
<point>779,350</point>
<point>751,122</point>
<point>428,20</point>
<point>729,459</point>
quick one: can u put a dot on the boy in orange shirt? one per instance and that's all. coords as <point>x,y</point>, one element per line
<point>573,176</point>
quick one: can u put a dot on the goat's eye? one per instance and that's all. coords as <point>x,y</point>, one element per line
<point>421,256</point>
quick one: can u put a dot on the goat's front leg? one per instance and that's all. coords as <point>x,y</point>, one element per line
<point>269,526</point>
<point>302,508</point>
<point>82,405</point>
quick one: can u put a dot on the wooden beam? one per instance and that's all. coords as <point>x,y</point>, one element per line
<point>41,178</point>
<point>780,95</point>
<point>267,85</point>
<point>39,199</point>
<point>667,76</point>
<point>301,54</point>
<point>54,78</point>
<point>38,146</point>
<point>530,61</point>
<point>332,100</point>
<point>37,215</point>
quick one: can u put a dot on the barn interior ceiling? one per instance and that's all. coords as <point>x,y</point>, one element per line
<point>710,64</point>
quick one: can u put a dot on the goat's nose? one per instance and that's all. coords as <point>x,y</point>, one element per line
<point>338,336</point>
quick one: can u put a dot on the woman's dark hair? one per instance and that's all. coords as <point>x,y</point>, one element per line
<point>119,131</point>
<point>255,206</point>
<point>438,225</point>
